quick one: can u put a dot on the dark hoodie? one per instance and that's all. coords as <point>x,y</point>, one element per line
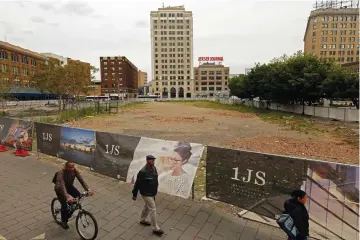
<point>300,215</point>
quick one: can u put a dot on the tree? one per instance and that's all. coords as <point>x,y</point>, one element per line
<point>298,79</point>
<point>238,88</point>
<point>342,84</point>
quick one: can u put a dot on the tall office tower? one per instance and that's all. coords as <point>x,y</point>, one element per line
<point>172,52</point>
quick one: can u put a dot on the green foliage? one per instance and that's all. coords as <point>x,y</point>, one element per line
<point>298,79</point>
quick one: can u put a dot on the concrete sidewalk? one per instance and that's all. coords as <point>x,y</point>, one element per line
<point>27,191</point>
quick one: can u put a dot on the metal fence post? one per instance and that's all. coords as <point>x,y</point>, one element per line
<point>193,191</point>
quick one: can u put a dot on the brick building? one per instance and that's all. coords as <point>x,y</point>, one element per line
<point>332,32</point>
<point>211,80</point>
<point>18,64</point>
<point>119,77</point>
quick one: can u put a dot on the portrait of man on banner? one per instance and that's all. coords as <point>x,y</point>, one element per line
<point>176,163</point>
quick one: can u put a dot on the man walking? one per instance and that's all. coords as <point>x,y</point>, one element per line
<point>147,184</point>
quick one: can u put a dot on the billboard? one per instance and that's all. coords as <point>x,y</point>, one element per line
<point>48,138</point>
<point>20,135</point>
<point>176,163</point>
<point>77,145</point>
<point>114,153</point>
<point>261,183</point>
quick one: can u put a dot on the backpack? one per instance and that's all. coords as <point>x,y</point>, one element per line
<point>54,178</point>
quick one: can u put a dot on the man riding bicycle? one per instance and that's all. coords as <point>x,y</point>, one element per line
<point>65,190</point>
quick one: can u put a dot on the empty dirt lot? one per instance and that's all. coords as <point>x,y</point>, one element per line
<point>233,127</point>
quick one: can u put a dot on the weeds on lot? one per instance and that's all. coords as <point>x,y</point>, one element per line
<point>303,124</point>
<point>200,177</point>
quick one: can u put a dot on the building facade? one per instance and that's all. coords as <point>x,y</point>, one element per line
<point>18,64</point>
<point>211,80</point>
<point>333,34</point>
<point>56,58</point>
<point>142,79</point>
<point>119,77</point>
<point>171,52</point>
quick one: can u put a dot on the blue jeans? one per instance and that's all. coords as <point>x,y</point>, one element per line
<point>72,191</point>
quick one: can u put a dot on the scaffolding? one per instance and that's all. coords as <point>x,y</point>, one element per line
<point>321,4</point>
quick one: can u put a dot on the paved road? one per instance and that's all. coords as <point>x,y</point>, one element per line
<point>26,192</point>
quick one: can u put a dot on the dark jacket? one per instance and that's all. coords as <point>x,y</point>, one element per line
<point>66,179</point>
<point>146,182</point>
<point>300,215</point>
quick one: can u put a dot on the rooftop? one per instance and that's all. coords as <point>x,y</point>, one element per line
<point>21,50</point>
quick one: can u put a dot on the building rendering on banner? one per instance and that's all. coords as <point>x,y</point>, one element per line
<point>171,52</point>
<point>119,77</point>
<point>332,31</point>
<point>18,64</point>
<point>211,78</point>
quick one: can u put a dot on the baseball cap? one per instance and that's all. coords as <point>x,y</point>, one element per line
<point>150,157</point>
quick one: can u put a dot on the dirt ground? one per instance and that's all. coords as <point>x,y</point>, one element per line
<point>223,128</point>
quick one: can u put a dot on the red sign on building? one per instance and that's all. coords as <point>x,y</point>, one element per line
<point>210,59</point>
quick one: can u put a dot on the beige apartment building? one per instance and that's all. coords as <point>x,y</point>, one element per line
<point>171,52</point>
<point>211,80</point>
<point>332,32</point>
<point>142,78</point>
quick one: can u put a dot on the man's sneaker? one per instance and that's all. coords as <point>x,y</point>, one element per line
<point>65,225</point>
<point>145,223</point>
<point>158,232</point>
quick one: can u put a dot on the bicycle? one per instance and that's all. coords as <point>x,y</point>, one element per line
<point>82,214</point>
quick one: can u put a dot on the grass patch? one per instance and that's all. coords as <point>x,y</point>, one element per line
<point>200,177</point>
<point>303,124</point>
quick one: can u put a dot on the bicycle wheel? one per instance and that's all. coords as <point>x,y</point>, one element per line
<point>56,210</point>
<point>86,225</point>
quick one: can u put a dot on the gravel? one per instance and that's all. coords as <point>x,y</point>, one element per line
<point>223,128</point>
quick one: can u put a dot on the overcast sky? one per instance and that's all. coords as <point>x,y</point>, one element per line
<point>242,31</point>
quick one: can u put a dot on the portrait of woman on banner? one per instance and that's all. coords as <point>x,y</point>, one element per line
<point>177,181</point>
<point>176,163</point>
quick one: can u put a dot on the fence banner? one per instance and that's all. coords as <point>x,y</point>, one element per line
<point>48,138</point>
<point>176,163</point>
<point>5,125</point>
<point>20,135</point>
<point>114,153</point>
<point>261,183</point>
<point>77,145</point>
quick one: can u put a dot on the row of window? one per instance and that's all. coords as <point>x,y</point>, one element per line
<point>334,39</point>
<point>211,72</point>
<point>180,44</point>
<point>171,14</point>
<point>172,49</point>
<point>338,18</point>
<point>165,55</point>
<point>171,66</point>
<point>16,82</point>
<point>173,61</point>
<point>335,32</point>
<point>210,89</point>
<point>341,53</point>
<point>172,27</point>
<point>172,38</point>
<point>170,77</point>
<point>211,78</point>
<point>335,25</point>
<point>341,59</point>
<point>16,58</point>
<point>171,32</point>
<point>333,46</point>
<point>180,83</point>
<point>15,70</point>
